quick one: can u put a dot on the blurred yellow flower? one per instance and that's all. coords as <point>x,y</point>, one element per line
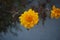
<point>55,12</point>
<point>29,18</point>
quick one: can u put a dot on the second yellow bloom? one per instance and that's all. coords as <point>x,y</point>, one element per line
<point>55,12</point>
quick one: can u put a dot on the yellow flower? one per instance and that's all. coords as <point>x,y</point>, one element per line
<point>55,12</point>
<point>29,18</point>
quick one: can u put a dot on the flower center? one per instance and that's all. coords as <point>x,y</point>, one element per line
<point>29,18</point>
<point>57,11</point>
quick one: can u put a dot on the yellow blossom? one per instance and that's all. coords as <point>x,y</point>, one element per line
<point>29,18</point>
<point>55,12</point>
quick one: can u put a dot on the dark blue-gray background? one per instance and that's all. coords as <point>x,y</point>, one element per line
<point>50,31</point>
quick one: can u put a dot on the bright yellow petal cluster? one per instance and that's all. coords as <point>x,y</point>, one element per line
<point>29,18</point>
<point>55,12</point>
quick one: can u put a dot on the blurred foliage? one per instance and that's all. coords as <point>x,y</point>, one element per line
<point>5,15</point>
<point>8,16</point>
